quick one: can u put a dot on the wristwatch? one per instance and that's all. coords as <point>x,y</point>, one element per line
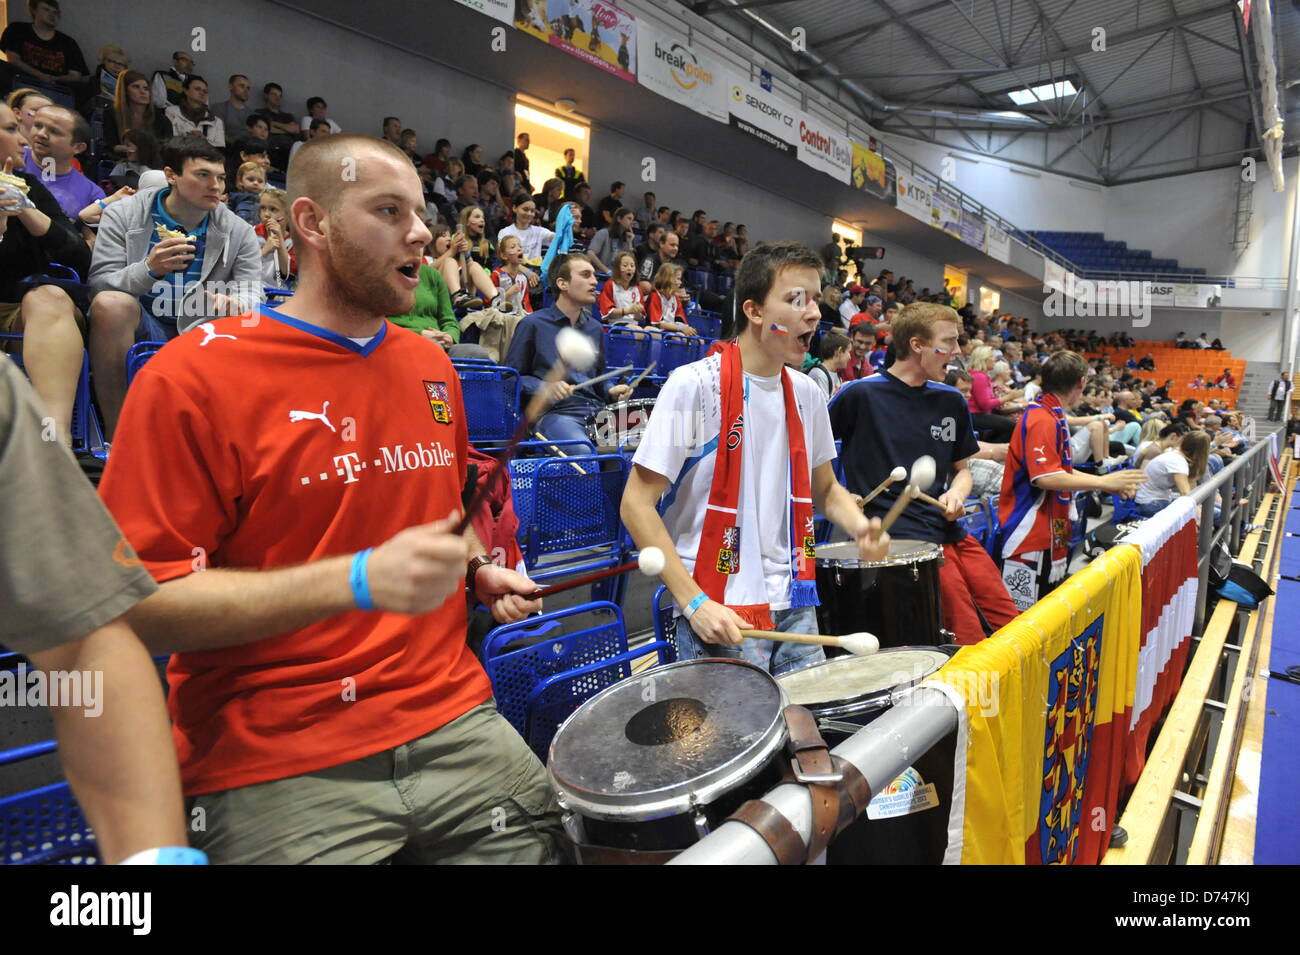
<point>473,567</point>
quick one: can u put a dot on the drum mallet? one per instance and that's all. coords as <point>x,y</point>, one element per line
<point>650,562</point>
<point>575,351</point>
<point>859,644</point>
<point>923,473</point>
<point>559,452</point>
<point>927,499</point>
<point>639,378</point>
<point>605,377</point>
<point>898,474</point>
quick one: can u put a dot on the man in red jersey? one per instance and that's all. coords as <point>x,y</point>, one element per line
<point>291,477</point>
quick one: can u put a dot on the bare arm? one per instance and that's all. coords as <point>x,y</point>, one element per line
<point>122,766</point>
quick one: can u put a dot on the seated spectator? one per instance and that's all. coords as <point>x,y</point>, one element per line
<point>58,135</point>
<point>392,128</point>
<point>38,49</point>
<point>611,240</point>
<point>666,308</point>
<point>1197,382</point>
<point>141,156</point>
<point>1174,473</point>
<point>444,185</point>
<point>532,352</point>
<point>26,103</point>
<point>259,128</point>
<point>984,404</point>
<point>101,89</point>
<point>33,234</point>
<point>1226,380</point>
<point>549,201</point>
<point>702,250</point>
<point>153,288</point>
<point>607,208</point>
<point>234,112</point>
<point>436,161</point>
<point>532,237</point>
<point>317,109</point>
<point>409,143</point>
<point>1216,345</point>
<point>651,264</point>
<point>167,85</point>
<point>589,219</point>
<point>466,194</point>
<point>474,257</point>
<point>829,305</point>
<point>513,279</point>
<point>245,199</point>
<point>645,215</point>
<point>1148,363</point>
<point>1202,340</point>
<point>1034,386</point>
<point>282,131</point>
<point>191,116</point>
<point>521,160</point>
<point>861,339</point>
<point>852,304</point>
<point>132,109</point>
<point>620,299</point>
<point>834,355</point>
<point>279,264</point>
<point>319,128</point>
<point>1157,437</point>
<point>432,315</point>
<point>489,200</point>
<point>472,157</point>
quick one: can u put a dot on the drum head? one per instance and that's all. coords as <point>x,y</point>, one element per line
<point>901,552</point>
<point>662,740</point>
<point>845,686</point>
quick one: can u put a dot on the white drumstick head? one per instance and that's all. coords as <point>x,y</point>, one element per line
<point>575,349</point>
<point>860,644</point>
<point>651,561</point>
<point>898,474</point>
<point>923,472</point>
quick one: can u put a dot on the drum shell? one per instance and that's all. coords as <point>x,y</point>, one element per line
<point>620,423</point>
<point>898,602</point>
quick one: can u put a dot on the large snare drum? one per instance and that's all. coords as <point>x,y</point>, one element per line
<point>897,599</point>
<point>616,425</point>
<point>907,820</point>
<point>659,760</point>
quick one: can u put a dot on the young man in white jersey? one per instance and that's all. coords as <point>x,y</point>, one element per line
<point>736,455</point>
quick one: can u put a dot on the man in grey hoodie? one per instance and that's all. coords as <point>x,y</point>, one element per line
<point>149,286</point>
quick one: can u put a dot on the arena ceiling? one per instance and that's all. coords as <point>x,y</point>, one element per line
<point>1161,77</point>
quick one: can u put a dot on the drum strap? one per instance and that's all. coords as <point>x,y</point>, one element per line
<point>855,793</point>
<point>811,766</point>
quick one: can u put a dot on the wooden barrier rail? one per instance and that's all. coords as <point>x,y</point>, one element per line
<point>1172,784</point>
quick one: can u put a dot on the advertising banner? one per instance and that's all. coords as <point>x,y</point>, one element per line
<point>691,74</point>
<point>596,31</point>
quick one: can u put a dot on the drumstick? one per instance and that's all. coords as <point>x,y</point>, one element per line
<point>599,378</point>
<point>650,562</point>
<point>575,350</point>
<point>637,380</point>
<point>895,475</point>
<point>859,644</point>
<point>927,499</point>
<point>904,496</point>
<point>923,472</point>
<point>559,452</point>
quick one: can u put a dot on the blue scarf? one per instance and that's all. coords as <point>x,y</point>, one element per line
<point>563,239</point>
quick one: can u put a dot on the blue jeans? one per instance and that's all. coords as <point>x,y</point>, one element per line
<point>569,421</point>
<point>154,329</point>
<point>774,656</point>
<point>1151,508</point>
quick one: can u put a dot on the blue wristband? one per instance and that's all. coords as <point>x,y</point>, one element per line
<point>695,604</point>
<point>167,855</point>
<point>360,581</point>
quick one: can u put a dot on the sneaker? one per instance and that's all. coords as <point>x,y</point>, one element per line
<point>1111,463</point>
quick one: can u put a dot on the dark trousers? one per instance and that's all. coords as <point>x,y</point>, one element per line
<point>994,428</point>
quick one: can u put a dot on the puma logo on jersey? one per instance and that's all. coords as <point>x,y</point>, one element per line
<point>210,332</point>
<point>1041,451</point>
<point>945,430</point>
<point>322,416</point>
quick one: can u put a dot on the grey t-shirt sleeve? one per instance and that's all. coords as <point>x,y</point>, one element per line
<point>66,568</point>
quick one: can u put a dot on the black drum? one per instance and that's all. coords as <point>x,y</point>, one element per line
<point>907,820</point>
<point>897,599</point>
<point>619,424</point>
<point>659,760</point>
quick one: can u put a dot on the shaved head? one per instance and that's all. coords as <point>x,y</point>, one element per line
<point>323,167</point>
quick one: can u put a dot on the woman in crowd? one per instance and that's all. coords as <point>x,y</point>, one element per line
<point>532,237</point>
<point>985,406</point>
<point>102,88</point>
<point>489,200</point>
<point>472,259</point>
<point>613,239</point>
<point>132,109</point>
<point>1157,438</point>
<point>620,299</point>
<point>1174,473</point>
<point>141,156</point>
<point>472,159</point>
<point>25,102</point>
<point>549,201</point>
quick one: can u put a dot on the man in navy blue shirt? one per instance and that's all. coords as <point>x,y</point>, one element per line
<point>532,353</point>
<point>893,418</point>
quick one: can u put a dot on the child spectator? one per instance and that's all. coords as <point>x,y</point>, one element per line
<point>473,256</point>
<point>531,237</point>
<point>245,201</point>
<point>834,356</point>
<point>620,299</point>
<point>316,109</point>
<point>512,278</point>
<point>667,309</point>
<point>141,156</point>
<point>279,265</point>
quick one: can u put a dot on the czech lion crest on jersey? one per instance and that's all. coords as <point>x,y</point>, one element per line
<point>439,403</point>
<point>729,552</point>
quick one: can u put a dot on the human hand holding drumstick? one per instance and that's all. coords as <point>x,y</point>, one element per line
<point>923,474</point>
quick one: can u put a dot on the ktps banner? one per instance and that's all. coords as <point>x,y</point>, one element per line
<point>692,74</point>
<point>997,243</point>
<point>503,10</point>
<point>873,173</point>
<point>915,197</point>
<point>769,118</point>
<point>593,30</point>
<point>824,149</point>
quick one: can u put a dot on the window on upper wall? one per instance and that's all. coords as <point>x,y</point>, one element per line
<point>990,300</point>
<point>550,134</point>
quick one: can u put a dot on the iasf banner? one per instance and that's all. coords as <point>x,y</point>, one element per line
<point>765,116</point>
<point>593,30</point>
<point>1038,778</point>
<point>874,174</point>
<point>692,75</point>
<point>821,147</point>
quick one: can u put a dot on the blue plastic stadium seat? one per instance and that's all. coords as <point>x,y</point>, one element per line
<point>628,346</point>
<point>491,397</point>
<point>43,826</point>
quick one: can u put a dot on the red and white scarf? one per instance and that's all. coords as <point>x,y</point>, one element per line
<point>718,568</point>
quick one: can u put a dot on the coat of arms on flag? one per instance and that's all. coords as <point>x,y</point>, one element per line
<point>1071,713</point>
<point>729,553</point>
<point>439,403</point>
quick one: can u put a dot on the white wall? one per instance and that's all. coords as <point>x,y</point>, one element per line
<point>1255,336</point>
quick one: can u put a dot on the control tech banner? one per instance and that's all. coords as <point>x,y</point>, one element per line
<point>769,118</point>
<point>690,74</point>
<point>1045,705</point>
<point>826,150</point>
<point>596,31</point>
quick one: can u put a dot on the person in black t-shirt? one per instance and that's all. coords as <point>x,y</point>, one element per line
<point>609,205</point>
<point>581,196</point>
<point>893,418</point>
<point>39,49</point>
<point>646,267</point>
